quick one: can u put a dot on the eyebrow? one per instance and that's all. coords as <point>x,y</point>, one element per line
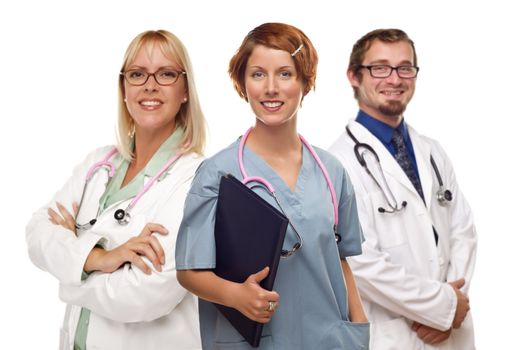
<point>280,68</point>
<point>388,63</point>
<point>134,66</point>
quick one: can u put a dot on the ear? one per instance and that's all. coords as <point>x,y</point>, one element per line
<point>353,79</point>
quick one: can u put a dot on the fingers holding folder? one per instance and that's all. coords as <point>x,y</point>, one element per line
<point>253,301</point>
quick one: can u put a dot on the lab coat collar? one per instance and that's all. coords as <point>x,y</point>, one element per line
<point>382,131</point>
<point>423,152</point>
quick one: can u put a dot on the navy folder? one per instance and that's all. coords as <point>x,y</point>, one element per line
<point>249,234</point>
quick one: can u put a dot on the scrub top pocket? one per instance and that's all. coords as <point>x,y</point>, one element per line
<point>346,335</point>
<point>265,343</point>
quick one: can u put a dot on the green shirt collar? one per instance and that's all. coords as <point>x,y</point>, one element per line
<point>114,193</point>
<point>164,153</point>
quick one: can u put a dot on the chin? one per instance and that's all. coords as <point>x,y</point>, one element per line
<point>275,119</point>
<point>392,108</point>
<point>272,122</point>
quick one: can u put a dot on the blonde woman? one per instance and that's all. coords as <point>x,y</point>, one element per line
<point>109,234</point>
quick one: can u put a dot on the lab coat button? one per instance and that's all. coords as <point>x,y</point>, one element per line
<point>441,260</point>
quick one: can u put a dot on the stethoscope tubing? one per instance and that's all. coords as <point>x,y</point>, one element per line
<point>121,215</point>
<point>269,186</point>
<point>443,196</point>
<point>153,180</point>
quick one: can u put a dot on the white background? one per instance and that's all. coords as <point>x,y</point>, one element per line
<point>59,63</point>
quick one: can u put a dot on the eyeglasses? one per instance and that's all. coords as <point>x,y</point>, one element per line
<point>385,70</point>
<point>138,77</point>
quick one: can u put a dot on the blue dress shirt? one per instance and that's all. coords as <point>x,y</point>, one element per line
<point>383,132</point>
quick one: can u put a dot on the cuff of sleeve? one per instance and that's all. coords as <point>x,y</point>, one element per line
<point>453,305</point>
<point>84,274</point>
<point>86,242</point>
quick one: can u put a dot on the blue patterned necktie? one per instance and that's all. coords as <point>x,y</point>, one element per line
<point>404,161</point>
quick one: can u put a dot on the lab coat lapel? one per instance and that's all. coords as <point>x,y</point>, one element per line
<point>422,152</point>
<point>389,165</point>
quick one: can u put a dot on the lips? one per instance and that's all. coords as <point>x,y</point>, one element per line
<point>150,104</point>
<point>272,106</point>
<point>392,92</point>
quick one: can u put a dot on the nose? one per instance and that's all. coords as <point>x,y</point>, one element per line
<point>393,77</point>
<point>271,85</point>
<point>151,83</point>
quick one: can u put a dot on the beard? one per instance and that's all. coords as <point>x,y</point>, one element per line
<point>392,108</point>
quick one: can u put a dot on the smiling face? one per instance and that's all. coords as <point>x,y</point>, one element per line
<point>154,107</point>
<point>272,86</point>
<point>385,98</point>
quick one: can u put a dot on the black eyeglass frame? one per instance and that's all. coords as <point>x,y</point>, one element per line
<point>397,69</point>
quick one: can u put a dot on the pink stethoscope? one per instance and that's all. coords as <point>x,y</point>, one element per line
<point>247,179</point>
<point>121,215</point>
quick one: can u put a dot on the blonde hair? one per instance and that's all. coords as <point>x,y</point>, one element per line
<point>190,116</point>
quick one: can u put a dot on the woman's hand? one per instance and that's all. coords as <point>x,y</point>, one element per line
<point>253,301</point>
<point>66,219</point>
<point>145,244</point>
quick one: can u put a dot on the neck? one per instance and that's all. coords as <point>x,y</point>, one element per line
<point>274,140</point>
<point>147,143</point>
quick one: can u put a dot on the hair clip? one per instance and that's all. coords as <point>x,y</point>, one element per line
<point>297,50</point>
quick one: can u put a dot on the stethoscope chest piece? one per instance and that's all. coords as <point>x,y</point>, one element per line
<point>122,216</point>
<point>444,196</point>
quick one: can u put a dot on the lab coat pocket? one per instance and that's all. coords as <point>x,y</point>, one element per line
<point>393,334</point>
<point>265,343</point>
<point>391,228</point>
<point>346,335</point>
<point>64,340</point>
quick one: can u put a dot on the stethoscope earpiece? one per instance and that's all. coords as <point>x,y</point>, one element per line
<point>396,209</point>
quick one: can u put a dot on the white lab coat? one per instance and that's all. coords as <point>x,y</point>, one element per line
<point>401,274</point>
<point>129,309</point>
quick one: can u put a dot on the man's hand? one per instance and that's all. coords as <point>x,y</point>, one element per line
<point>430,335</point>
<point>462,303</point>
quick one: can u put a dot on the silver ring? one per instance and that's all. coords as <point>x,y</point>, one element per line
<point>271,306</point>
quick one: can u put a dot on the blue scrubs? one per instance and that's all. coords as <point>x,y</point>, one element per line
<point>312,312</point>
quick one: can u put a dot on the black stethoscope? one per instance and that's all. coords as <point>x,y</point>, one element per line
<point>443,195</point>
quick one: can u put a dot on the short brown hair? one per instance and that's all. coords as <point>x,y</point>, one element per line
<point>363,45</point>
<point>277,36</point>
